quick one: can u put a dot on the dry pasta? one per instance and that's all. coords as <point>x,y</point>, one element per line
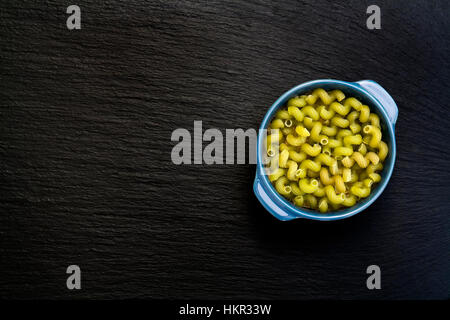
<point>328,148</point>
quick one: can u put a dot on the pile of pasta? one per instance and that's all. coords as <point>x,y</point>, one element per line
<point>327,150</point>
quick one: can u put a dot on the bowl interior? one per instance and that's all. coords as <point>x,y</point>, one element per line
<point>350,89</point>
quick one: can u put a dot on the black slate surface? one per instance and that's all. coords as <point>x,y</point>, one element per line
<point>86,175</point>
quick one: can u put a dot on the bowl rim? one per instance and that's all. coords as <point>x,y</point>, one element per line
<point>312,214</point>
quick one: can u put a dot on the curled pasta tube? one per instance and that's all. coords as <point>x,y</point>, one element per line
<point>346,174</point>
<point>375,177</point>
<point>311,165</point>
<point>320,192</point>
<point>326,150</point>
<point>295,189</point>
<point>332,196</point>
<point>347,162</point>
<point>349,201</point>
<point>325,177</point>
<point>299,200</point>
<point>324,113</point>
<point>376,135</point>
<point>325,159</point>
<point>359,190</point>
<point>372,168</point>
<point>310,200</point>
<point>311,112</point>
<point>340,122</point>
<point>339,108</point>
<point>338,94</point>
<point>374,120</point>
<point>364,161</point>
<point>295,141</point>
<point>287,130</point>
<point>284,156</point>
<point>372,157</point>
<point>296,102</point>
<point>362,149</point>
<point>284,146</point>
<point>354,127</point>
<point>339,183</point>
<point>329,131</point>
<point>352,116</point>
<point>353,102</point>
<point>282,114</point>
<point>368,182</point>
<point>277,124</point>
<point>292,169</point>
<point>343,133</point>
<point>323,205</point>
<point>334,143</point>
<point>308,122</point>
<point>302,131</point>
<point>297,156</point>
<point>326,97</point>
<point>364,114</point>
<point>308,186</point>
<point>296,113</point>
<point>334,168</point>
<point>311,150</point>
<point>383,150</point>
<point>343,151</point>
<point>277,174</point>
<point>350,140</point>
<point>282,186</point>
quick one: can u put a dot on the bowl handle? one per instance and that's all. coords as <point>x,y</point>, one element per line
<point>268,203</point>
<point>382,96</point>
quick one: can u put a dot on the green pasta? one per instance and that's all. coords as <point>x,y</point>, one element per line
<point>328,149</point>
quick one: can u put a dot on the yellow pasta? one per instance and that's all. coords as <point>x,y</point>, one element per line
<point>383,150</point>
<point>295,141</point>
<point>359,190</point>
<point>353,102</point>
<point>311,112</point>
<point>339,108</point>
<point>349,140</point>
<point>311,150</point>
<point>297,102</point>
<point>325,176</point>
<point>284,157</point>
<point>302,131</point>
<point>297,156</point>
<point>327,150</point>
<point>282,186</point>
<point>375,132</point>
<point>329,131</point>
<point>323,205</point>
<point>277,124</point>
<point>325,159</point>
<point>296,113</point>
<point>340,122</point>
<point>308,186</point>
<point>296,189</point>
<point>343,151</point>
<point>324,113</point>
<point>292,169</point>
<point>332,196</point>
<point>339,183</point>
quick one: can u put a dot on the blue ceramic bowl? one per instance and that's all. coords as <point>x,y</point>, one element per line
<point>368,92</point>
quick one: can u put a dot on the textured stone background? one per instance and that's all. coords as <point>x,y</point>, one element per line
<point>85,170</point>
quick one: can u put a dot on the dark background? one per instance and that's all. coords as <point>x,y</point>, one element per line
<point>86,176</point>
